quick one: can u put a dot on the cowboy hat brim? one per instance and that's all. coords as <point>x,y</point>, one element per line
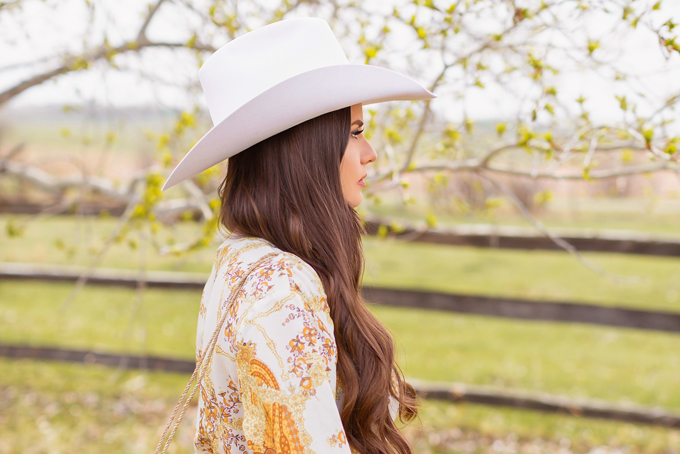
<point>291,102</point>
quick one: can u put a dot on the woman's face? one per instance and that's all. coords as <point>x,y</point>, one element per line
<point>358,154</point>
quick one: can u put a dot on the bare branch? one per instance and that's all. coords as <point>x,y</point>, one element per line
<point>658,153</point>
<point>474,164</point>
<point>7,5</point>
<point>85,276</point>
<point>58,185</point>
<point>33,81</point>
<point>196,46</point>
<point>591,150</point>
<point>631,147</point>
<point>141,36</point>
<point>421,126</point>
<point>487,158</point>
<point>72,64</point>
<point>593,174</point>
<point>75,63</point>
<point>557,239</point>
<point>26,63</point>
<point>12,153</point>
<point>199,197</point>
<point>566,152</point>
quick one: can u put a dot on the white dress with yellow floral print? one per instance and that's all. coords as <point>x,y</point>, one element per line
<point>271,386</point>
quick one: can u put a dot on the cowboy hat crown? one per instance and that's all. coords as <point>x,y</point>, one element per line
<point>278,76</point>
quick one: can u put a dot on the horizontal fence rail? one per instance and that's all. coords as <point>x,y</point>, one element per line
<point>88,209</point>
<point>150,363</point>
<point>592,408</point>
<point>508,237</point>
<point>526,309</point>
<point>476,235</point>
<point>469,304</point>
<point>452,392</point>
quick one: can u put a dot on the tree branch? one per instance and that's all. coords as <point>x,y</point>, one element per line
<point>96,261</point>
<point>475,164</point>
<point>199,197</point>
<point>76,63</point>
<point>35,80</point>
<point>57,186</point>
<point>593,174</point>
<point>555,238</point>
<point>141,35</point>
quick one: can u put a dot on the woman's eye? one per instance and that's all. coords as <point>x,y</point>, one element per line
<point>357,132</point>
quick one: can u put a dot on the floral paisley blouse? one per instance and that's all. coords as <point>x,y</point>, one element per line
<point>271,386</point>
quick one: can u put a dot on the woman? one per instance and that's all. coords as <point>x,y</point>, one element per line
<point>300,365</point>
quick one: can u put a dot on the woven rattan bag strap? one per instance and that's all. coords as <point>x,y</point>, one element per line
<point>201,364</point>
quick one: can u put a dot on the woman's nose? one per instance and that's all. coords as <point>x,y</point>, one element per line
<point>369,154</point>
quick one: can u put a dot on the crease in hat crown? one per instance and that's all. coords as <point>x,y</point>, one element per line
<point>275,77</point>
<point>267,56</point>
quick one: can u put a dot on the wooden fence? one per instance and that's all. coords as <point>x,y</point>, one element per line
<point>470,304</point>
<point>452,392</point>
<point>507,237</point>
<point>478,235</point>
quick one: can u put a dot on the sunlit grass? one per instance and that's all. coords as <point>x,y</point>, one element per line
<point>50,407</point>
<point>572,359</point>
<point>658,216</point>
<point>53,407</point>
<point>99,409</point>
<point>536,275</point>
<point>545,432</point>
<point>69,240</point>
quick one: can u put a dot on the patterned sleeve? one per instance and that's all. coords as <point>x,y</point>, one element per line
<point>286,358</point>
<point>394,403</point>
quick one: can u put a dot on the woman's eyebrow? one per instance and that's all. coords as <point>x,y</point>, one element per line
<point>358,122</point>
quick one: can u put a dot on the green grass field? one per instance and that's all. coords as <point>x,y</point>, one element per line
<point>51,407</point>
<point>48,407</point>
<point>654,215</point>
<point>574,360</point>
<point>537,275</point>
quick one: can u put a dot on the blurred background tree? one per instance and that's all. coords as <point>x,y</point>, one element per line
<point>558,113</point>
<point>525,53</point>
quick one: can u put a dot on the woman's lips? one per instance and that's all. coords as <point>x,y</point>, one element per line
<point>362,182</point>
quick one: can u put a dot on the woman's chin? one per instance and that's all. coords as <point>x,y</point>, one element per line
<point>356,200</point>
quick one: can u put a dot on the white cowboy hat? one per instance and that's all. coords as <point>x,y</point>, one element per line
<point>276,77</point>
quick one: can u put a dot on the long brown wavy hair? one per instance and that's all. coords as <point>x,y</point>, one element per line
<point>287,190</point>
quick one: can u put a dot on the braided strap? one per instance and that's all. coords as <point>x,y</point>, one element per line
<point>201,364</point>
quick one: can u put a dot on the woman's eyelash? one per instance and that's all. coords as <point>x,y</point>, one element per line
<point>357,132</point>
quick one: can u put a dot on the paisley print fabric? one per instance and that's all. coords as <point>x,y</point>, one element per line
<point>271,387</point>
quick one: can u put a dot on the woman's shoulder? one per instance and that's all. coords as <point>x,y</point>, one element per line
<point>283,270</point>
